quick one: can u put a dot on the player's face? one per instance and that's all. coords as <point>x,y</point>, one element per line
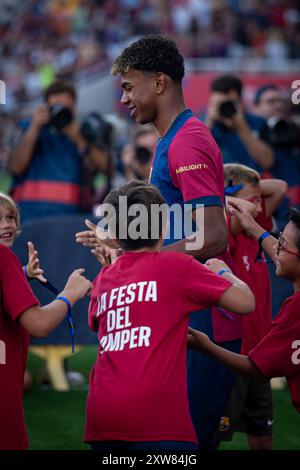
<point>139,95</point>
<point>8,227</point>
<point>252,194</point>
<point>286,251</point>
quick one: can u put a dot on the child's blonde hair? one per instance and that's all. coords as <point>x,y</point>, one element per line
<point>235,173</point>
<point>7,201</point>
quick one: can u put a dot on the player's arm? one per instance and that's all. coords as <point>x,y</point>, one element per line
<point>240,364</point>
<point>215,237</point>
<point>40,321</point>
<point>253,229</point>
<point>273,192</point>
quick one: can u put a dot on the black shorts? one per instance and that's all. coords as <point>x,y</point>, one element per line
<point>249,410</point>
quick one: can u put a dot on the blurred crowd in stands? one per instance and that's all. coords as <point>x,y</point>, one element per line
<point>42,41</point>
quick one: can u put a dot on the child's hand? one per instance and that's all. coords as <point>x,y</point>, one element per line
<point>245,219</point>
<point>77,285</point>
<point>198,340</point>
<point>106,255</point>
<point>246,206</point>
<point>33,266</point>
<point>216,265</point>
<point>95,237</point>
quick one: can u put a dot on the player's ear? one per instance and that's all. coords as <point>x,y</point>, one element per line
<point>161,81</point>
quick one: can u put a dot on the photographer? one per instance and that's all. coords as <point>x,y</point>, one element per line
<point>237,132</point>
<point>283,135</point>
<point>48,161</point>
<point>136,157</point>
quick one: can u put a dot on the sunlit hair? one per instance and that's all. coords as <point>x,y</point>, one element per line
<point>235,173</point>
<point>6,201</point>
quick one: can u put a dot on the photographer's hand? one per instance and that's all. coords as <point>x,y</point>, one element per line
<point>40,117</point>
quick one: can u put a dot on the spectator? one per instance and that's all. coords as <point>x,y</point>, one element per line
<point>136,156</point>
<point>235,130</point>
<point>271,104</point>
<point>49,158</point>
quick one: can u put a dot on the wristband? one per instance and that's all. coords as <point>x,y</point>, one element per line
<point>222,271</point>
<point>259,241</point>
<point>69,319</point>
<point>25,272</point>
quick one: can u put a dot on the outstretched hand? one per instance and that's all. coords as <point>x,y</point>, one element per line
<point>33,268</point>
<point>197,340</point>
<point>95,237</point>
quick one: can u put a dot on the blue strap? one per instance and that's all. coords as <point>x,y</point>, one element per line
<point>25,272</point>
<point>222,271</point>
<point>69,319</point>
<point>231,189</point>
<point>260,240</point>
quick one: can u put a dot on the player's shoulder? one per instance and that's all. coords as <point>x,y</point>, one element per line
<point>194,128</point>
<point>196,135</point>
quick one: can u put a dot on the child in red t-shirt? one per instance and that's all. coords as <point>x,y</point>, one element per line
<point>21,316</point>
<point>278,353</point>
<point>140,306</point>
<point>250,406</point>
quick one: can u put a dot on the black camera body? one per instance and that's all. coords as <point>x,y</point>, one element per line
<point>142,155</point>
<point>227,109</point>
<point>97,131</point>
<point>60,116</point>
<point>283,133</point>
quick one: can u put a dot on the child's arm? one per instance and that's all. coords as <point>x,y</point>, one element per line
<point>240,364</point>
<point>253,229</point>
<point>238,298</point>
<point>40,321</point>
<point>273,192</point>
<point>235,226</point>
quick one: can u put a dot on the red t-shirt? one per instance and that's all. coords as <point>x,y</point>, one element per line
<point>278,354</point>
<point>15,297</point>
<point>243,250</point>
<point>138,388</point>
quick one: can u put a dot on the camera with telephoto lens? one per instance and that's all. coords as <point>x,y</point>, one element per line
<point>97,131</point>
<point>60,116</point>
<point>283,133</point>
<point>227,109</point>
<point>142,155</point>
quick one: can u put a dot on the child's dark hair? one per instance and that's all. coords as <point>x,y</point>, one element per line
<point>226,83</point>
<point>151,53</point>
<point>294,217</point>
<point>59,87</point>
<point>149,225</point>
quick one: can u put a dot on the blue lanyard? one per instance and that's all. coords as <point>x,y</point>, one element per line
<point>69,319</point>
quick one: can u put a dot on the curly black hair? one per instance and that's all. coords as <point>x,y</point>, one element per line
<point>294,217</point>
<point>151,53</point>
